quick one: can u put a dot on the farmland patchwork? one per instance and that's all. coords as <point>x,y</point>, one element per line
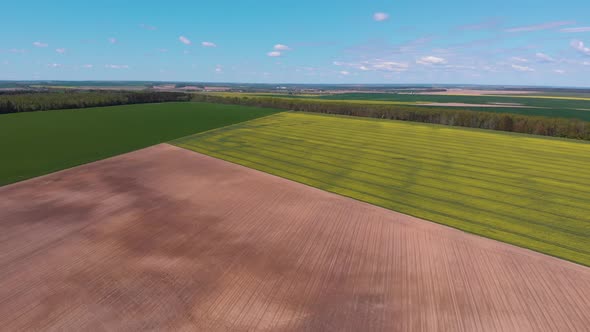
<point>529,191</point>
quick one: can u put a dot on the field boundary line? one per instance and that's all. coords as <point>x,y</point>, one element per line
<point>211,154</point>
<point>172,142</point>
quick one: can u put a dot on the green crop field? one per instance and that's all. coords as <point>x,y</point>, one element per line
<point>37,143</point>
<point>530,191</point>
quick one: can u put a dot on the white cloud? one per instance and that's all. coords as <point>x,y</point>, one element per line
<point>579,46</point>
<point>281,47</point>
<point>542,26</point>
<point>60,50</point>
<point>375,65</point>
<point>579,29</point>
<point>208,44</point>
<point>431,60</point>
<point>515,58</point>
<point>55,65</point>
<point>389,65</point>
<point>380,17</point>
<point>544,57</point>
<point>148,27</point>
<point>116,66</point>
<point>344,72</point>
<point>184,40</point>
<point>113,40</point>
<point>88,66</point>
<point>559,71</point>
<point>218,69</point>
<point>274,54</point>
<point>40,44</point>
<point>522,68</point>
<point>17,51</point>
<point>586,63</point>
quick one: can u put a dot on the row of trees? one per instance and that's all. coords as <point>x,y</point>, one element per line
<point>43,101</point>
<point>537,125</point>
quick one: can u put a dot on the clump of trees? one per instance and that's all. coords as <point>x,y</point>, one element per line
<point>43,101</point>
<point>537,125</point>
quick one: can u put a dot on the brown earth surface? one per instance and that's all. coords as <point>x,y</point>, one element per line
<point>169,239</point>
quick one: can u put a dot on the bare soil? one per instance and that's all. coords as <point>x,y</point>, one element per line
<point>168,239</point>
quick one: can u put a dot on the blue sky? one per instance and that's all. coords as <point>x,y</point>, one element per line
<point>496,42</point>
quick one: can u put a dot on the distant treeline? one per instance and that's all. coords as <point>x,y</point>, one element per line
<point>537,125</point>
<point>43,101</point>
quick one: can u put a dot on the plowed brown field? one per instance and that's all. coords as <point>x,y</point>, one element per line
<point>168,239</point>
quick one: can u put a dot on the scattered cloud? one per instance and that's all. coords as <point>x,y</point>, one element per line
<point>579,29</point>
<point>208,44</point>
<point>116,66</point>
<point>55,65</point>
<point>274,54</point>
<point>544,57</point>
<point>375,65</point>
<point>40,44</point>
<point>538,27</point>
<point>184,40</point>
<point>580,47</point>
<point>60,50</point>
<point>219,69</point>
<point>519,59</point>
<point>148,27</point>
<point>344,72</point>
<point>559,71</point>
<point>162,50</point>
<point>522,68</point>
<point>431,60</point>
<point>113,40</point>
<point>17,51</point>
<point>281,47</point>
<point>380,17</point>
<point>388,66</point>
<point>88,66</point>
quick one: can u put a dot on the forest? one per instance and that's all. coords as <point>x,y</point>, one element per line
<point>43,101</point>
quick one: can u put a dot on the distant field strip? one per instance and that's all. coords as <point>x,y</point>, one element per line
<point>556,107</point>
<point>529,191</point>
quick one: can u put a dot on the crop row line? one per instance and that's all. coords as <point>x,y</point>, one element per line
<point>451,178</point>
